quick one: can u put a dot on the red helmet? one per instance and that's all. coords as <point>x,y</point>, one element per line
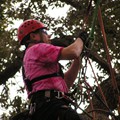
<point>27,27</point>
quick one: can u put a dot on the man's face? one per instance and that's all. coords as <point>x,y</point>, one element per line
<point>45,36</point>
<point>42,36</point>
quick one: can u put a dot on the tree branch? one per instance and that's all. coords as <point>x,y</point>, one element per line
<point>95,57</point>
<point>10,70</point>
<point>72,3</point>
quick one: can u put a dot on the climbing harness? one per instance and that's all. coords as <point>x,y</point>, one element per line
<point>29,82</point>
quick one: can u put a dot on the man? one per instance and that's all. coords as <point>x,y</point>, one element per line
<point>45,82</point>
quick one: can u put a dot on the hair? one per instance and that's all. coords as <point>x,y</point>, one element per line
<point>26,40</point>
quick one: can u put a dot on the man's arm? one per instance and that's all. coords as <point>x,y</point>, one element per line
<point>71,74</point>
<point>72,51</point>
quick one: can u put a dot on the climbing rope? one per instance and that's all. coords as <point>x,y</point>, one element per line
<point>113,80</point>
<point>97,11</point>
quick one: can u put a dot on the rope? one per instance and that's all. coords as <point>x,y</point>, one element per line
<point>104,111</point>
<point>106,105</point>
<point>87,14</point>
<point>114,83</point>
<point>89,88</point>
<point>91,37</point>
<point>75,104</point>
<point>100,89</point>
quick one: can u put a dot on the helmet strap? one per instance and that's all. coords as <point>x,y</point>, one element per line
<point>32,42</point>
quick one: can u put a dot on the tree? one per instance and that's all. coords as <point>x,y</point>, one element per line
<point>11,53</point>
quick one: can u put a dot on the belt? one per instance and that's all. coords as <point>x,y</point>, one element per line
<point>39,98</point>
<point>53,94</point>
<point>50,94</point>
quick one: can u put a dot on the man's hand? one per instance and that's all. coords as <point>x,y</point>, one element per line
<point>84,36</point>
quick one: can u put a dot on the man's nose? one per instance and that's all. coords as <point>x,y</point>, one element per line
<point>49,36</point>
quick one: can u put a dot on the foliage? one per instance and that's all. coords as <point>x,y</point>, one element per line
<point>19,10</point>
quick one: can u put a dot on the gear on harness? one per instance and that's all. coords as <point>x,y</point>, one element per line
<point>52,105</point>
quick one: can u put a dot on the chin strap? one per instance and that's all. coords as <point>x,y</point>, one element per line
<point>32,42</point>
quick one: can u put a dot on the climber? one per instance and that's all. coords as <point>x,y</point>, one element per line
<point>45,82</point>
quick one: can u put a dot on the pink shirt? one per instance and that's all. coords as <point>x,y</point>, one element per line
<point>42,59</point>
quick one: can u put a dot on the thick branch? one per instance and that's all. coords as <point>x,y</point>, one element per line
<point>111,98</point>
<point>95,57</point>
<point>10,71</point>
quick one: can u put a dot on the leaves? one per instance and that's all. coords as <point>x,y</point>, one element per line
<point>64,27</point>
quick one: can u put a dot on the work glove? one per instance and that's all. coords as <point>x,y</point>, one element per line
<point>84,36</point>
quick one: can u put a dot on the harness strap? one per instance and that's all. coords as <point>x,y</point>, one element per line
<point>29,82</point>
<point>44,77</point>
<point>34,80</point>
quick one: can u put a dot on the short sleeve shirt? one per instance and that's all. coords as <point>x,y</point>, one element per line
<point>42,59</point>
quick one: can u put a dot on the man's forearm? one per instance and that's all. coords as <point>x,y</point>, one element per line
<point>71,74</point>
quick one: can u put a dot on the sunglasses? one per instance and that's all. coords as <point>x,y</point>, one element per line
<point>44,31</point>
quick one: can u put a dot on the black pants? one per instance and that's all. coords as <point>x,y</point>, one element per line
<point>48,109</point>
<point>54,109</point>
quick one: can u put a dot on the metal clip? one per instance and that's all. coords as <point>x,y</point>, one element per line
<point>32,108</point>
<point>59,95</point>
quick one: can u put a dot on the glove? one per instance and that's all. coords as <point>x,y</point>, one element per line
<point>84,36</point>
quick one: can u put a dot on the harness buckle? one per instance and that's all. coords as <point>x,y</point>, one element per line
<point>59,95</point>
